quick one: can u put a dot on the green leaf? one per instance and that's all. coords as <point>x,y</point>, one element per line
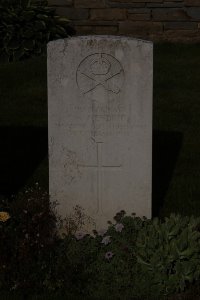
<point>42,17</point>
<point>48,36</point>
<point>18,54</point>
<point>38,50</point>
<point>39,36</point>
<point>187,253</point>
<point>49,9</point>
<point>28,33</point>
<point>40,25</point>
<point>174,231</point>
<point>60,30</point>
<point>56,17</point>
<point>28,15</point>
<point>14,43</point>
<point>28,44</point>
<point>62,20</point>
<point>182,285</point>
<point>182,243</point>
<point>141,261</point>
<point>57,36</point>
<point>188,267</point>
<point>4,57</point>
<point>195,235</point>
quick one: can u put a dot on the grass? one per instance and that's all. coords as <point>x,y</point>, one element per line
<point>177,110</point>
<point>23,125</point>
<point>24,93</point>
<point>176,155</point>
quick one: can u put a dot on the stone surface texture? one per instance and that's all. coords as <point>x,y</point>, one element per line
<point>128,17</point>
<point>100,125</point>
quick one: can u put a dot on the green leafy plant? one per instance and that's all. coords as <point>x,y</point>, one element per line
<point>26,239</point>
<point>26,27</point>
<point>96,264</point>
<point>131,258</point>
<point>114,268</point>
<point>168,254</point>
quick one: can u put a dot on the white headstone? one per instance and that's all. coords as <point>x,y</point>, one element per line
<point>100,125</point>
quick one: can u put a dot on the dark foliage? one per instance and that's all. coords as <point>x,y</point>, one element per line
<point>26,27</point>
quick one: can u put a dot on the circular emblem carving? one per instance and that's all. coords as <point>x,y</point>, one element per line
<point>100,70</point>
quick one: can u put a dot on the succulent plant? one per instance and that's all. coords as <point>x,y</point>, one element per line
<point>169,252</point>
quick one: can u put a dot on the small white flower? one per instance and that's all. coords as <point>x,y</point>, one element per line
<point>79,235</point>
<point>26,235</point>
<point>14,287</point>
<point>109,255</point>
<point>101,232</point>
<point>119,227</point>
<point>106,240</point>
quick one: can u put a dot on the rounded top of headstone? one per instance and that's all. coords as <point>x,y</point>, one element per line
<point>110,37</point>
<point>103,37</point>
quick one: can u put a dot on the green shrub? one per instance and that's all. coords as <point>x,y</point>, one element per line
<point>114,268</point>
<point>26,240</point>
<point>138,258</point>
<point>168,254</point>
<point>25,28</point>
<point>133,258</point>
<point>92,271</point>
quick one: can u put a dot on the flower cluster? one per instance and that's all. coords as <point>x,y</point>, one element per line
<point>109,255</point>
<point>79,235</point>
<point>4,216</point>
<point>107,239</point>
<point>119,227</point>
<point>102,232</point>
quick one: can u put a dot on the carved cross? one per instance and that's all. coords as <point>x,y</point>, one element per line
<point>99,167</point>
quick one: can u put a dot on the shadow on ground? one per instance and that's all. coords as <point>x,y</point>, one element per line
<point>23,148</point>
<point>166,148</point>
<point>21,151</point>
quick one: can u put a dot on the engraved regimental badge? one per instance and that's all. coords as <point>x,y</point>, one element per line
<point>99,72</point>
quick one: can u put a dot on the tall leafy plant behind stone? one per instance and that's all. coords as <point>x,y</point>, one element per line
<point>26,27</point>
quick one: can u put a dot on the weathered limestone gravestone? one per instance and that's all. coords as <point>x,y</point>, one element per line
<point>100,125</point>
